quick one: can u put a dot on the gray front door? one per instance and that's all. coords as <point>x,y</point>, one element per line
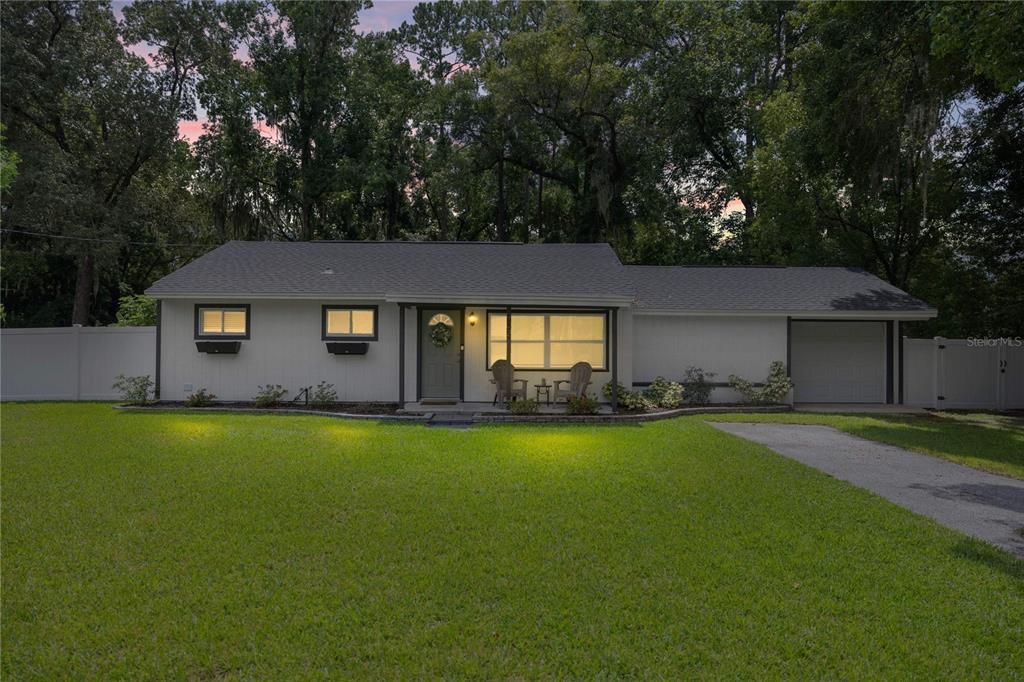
<point>440,366</point>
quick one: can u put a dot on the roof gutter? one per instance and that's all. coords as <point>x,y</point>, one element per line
<point>421,297</point>
<point>906,315</point>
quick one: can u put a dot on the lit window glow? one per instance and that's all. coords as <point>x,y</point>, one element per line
<point>548,340</point>
<point>223,321</point>
<point>350,322</point>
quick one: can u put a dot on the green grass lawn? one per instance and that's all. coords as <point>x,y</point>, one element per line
<point>992,442</point>
<point>269,547</point>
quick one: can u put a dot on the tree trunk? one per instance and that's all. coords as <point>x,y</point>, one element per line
<point>502,217</point>
<point>83,290</point>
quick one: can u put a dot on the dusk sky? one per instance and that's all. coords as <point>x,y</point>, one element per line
<point>384,15</point>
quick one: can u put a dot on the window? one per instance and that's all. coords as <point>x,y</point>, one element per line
<point>349,322</point>
<point>543,340</point>
<point>222,322</point>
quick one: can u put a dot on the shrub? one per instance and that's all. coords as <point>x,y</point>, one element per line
<point>528,406</point>
<point>697,385</point>
<point>775,388</point>
<point>134,390</point>
<point>135,311</point>
<point>201,398</point>
<point>664,393</point>
<point>581,405</point>
<point>631,401</point>
<point>269,396</point>
<point>323,395</point>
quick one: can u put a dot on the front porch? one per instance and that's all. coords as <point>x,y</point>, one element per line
<point>446,352</point>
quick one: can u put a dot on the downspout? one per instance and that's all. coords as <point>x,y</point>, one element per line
<point>156,371</point>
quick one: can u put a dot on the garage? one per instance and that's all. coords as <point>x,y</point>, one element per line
<point>838,361</point>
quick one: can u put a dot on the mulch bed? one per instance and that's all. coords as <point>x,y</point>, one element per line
<point>345,408</point>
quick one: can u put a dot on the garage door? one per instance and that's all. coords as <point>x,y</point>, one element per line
<point>838,362</point>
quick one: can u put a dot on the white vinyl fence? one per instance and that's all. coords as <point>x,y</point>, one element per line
<point>963,373</point>
<point>72,363</point>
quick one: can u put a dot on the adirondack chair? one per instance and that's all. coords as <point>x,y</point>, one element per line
<point>575,385</point>
<point>507,387</point>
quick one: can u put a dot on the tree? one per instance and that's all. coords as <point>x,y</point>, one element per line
<point>301,56</point>
<point>90,115</point>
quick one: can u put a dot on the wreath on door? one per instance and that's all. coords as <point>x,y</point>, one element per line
<point>440,334</point>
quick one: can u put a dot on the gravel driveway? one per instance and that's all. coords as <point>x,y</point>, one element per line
<point>984,505</point>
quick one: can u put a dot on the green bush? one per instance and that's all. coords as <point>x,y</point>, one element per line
<point>135,311</point>
<point>775,388</point>
<point>201,398</point>
<point>663,393</point>
<point>581,405</point>
<point>697,385</point>
<point>528,406</point>
<point>134,390</point>
<point>269,396</point>
<point>323,395</point>
<point>630,401</point>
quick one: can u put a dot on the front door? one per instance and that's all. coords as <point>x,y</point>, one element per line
<point>441,354</point>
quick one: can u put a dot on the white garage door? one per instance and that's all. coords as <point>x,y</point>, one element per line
<point>838,362</point>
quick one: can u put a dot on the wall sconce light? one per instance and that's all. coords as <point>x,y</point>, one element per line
<point>472,319</point>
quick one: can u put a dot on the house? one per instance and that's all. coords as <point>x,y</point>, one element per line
<point>409,321</point>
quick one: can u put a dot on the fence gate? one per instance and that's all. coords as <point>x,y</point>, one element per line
<point>963,374</point>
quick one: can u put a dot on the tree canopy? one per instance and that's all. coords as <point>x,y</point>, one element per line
<point>884,136</point>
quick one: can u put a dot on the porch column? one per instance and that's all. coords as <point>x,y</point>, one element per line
<point>889,362</point>
<point>615,359</point>
<point>401,355</point>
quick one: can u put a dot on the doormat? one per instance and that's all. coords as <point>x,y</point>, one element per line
<point>439,402</point>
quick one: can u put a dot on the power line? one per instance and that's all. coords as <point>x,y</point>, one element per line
<point>98,239</point>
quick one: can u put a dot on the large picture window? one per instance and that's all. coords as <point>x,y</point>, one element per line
<point>349,322</point>
<point>222,322</point>
<point>549,340</point>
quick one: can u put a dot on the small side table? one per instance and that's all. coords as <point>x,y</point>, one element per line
<point>545,388</point>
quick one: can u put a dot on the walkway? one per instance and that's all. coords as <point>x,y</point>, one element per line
<point>980,504</point>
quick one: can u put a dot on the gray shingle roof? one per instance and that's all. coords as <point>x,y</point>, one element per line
<point>396,269</point>
<point>417,271</point>
<point>766,288</point>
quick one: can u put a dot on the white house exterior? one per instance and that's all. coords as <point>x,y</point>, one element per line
<point>360,315</point>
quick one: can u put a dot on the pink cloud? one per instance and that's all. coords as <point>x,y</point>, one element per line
<point>191,130</point>
<point>266,130</point>
<point>733,206</point>
<point>385,15</point>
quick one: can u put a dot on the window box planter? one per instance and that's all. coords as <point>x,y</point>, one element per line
<point>219,347</point>
<point>347,348</point>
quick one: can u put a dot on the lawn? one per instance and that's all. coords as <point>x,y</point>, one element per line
<point>268,547</point>
<point>992,442</point>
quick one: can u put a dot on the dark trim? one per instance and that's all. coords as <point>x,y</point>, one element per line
<point>156,371</point>
<point>324,336</point>
<point>789,347</point>
<point>223,306</point>
<point>888,362</point>
<point>419,353</point>
<point>509,311</point>
<point>462,356</point>
<point>841,319</point>
<point>441,308</point>
<point>401,355</point>
<point>615,358</point>
<point>899,336</point>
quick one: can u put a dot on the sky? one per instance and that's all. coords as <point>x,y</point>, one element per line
<point>383,16</point>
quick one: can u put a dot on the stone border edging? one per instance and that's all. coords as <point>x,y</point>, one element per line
<point>255,410</point>
<point>477,418</point>
<point>620,418</point>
